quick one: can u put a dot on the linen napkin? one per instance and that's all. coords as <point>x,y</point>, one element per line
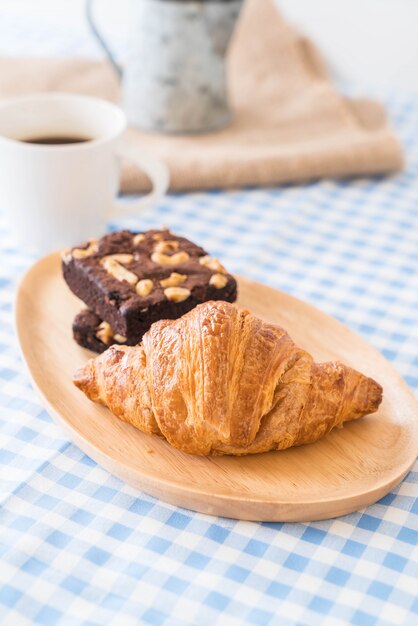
<point>289,124</point>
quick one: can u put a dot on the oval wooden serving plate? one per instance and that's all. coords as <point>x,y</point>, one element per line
<point>349,469</point>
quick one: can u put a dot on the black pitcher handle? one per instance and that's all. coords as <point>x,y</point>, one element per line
<point>102,42</point>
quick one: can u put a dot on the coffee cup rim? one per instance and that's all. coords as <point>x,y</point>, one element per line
<point>119,125</point>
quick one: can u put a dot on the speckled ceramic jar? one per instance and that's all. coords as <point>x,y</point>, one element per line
<point>175,76</point>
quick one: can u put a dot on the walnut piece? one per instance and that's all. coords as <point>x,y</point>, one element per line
<point>144,287</point>
<point>164,259</point>
<point>105,333</point>
<point>119,338</point>
<point>174,280</point>
<point>218,280</point>
<point>119,272</point>
<point>138,239</point>
<point>158,237</point>
<point>176,294</point>
<point>120,258</point>
<point>82,253</point>
<point>166,246</point>
<point>213,264</point>
<point>66,255</point>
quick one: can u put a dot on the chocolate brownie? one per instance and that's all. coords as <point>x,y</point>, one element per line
<point>89,331</point>
<point>131,280</point>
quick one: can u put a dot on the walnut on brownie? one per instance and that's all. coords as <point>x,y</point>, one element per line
<point>131,280</point>
<point>91,332</point>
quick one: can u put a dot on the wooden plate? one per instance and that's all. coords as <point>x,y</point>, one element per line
<point>349,469</point>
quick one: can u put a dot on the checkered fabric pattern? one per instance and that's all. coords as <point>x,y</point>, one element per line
<point>77,546</point>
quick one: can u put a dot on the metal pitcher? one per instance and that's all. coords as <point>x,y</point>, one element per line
<point>174,80</point>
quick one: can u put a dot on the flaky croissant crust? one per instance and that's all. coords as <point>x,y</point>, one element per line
<point>220,381</point>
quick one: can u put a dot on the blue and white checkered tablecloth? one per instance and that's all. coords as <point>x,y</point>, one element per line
<point>79,547</point>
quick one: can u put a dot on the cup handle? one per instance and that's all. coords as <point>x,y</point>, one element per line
<point>156,170</point>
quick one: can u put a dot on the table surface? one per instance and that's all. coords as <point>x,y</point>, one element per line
<point>77,546</point>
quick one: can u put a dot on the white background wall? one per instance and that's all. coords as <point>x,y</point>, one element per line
<point>373,43</point>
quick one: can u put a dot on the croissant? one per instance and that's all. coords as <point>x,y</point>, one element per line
<point>220,381</point>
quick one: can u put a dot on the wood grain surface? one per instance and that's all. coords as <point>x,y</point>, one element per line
<point>350,468</point>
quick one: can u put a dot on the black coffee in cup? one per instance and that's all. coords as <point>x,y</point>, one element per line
<point>55,141</point>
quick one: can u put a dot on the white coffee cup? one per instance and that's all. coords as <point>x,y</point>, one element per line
<point>60,195</point>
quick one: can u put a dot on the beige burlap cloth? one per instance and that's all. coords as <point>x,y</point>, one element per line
<point>289,124</point>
